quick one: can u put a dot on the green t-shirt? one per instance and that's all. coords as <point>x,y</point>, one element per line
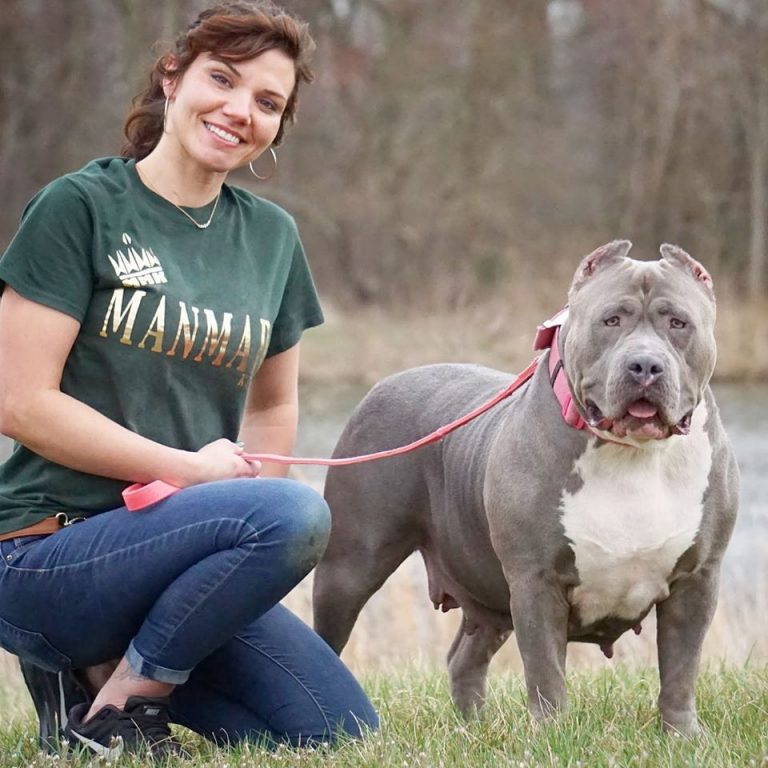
<point>175,320</point>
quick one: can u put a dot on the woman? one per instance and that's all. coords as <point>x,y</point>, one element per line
<point>150,319</point>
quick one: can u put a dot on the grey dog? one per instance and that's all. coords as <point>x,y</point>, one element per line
<point>528,523</point>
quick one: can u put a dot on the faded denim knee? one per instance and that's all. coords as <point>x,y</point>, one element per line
<point>304,524</point>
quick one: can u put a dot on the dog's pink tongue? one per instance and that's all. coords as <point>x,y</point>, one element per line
<point>642,409</point>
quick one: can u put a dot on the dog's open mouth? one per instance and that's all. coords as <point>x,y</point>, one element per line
<point>642,420</point>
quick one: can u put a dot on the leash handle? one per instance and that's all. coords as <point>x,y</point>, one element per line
<point>138,496</point>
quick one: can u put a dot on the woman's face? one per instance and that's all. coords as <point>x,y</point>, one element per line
<point>224,114</point>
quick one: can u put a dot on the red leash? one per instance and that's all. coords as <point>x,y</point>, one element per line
<point>139,496</point>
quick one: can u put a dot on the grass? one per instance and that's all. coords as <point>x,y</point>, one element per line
<point>612,722</point>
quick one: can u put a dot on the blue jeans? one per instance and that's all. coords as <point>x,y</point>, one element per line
<point>189,589</point>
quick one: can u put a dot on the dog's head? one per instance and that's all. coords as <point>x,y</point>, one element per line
<point>639,345</point>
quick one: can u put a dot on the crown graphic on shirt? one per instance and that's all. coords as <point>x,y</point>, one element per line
<point>136,266</point>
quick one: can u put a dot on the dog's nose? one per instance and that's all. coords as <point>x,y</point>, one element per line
<point>645,369</point>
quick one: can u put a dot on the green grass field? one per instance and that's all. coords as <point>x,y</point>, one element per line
<point>612,722</point>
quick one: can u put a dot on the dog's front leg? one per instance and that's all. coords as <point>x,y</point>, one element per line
<point>540,618</point>
<point>682,621</point>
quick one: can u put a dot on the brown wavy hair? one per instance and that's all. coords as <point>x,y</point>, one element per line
<point>234,31</point>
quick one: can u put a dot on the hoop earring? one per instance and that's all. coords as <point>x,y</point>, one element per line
<point>165,115</point>
<point>274,169</point>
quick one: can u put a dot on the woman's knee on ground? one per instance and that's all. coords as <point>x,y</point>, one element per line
<point>302,519</point>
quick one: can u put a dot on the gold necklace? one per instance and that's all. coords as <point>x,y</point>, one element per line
<point>204,225</point>
<point>192,219</point>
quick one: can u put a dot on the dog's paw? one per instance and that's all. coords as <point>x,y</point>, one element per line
<point>683,725</point>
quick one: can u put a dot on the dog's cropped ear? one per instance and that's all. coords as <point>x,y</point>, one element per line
<point>601,257</point>
<point>676,256</point>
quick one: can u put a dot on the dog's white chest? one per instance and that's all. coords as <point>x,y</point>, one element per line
<point>636,512</point>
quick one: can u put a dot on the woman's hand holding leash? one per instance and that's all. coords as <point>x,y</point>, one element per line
<point>222,460</point>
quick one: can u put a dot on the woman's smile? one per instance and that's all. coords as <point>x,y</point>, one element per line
<point>226,136</point>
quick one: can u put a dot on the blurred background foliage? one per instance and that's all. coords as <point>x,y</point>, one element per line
<point>451,151</point>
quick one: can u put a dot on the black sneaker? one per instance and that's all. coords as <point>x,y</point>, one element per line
<point>54,694</point>
<point>142,727</point>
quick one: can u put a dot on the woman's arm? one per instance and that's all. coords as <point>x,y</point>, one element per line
<point>35,341</point>
<point>272,409</point>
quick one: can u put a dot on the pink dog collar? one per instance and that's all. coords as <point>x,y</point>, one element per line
<point>548,337</point>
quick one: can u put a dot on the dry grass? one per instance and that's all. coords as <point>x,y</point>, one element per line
<point>364,345</point>
<point>742,335</point>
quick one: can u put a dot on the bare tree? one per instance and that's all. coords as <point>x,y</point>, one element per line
<point>449,150</point>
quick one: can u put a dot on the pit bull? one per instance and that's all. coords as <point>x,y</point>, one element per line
<point>526,521</point>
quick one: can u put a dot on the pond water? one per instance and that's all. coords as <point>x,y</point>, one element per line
<point>745,413</point>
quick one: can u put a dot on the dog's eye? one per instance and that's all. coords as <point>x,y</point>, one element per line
<point>613,321</point>
<point>677,323</point>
